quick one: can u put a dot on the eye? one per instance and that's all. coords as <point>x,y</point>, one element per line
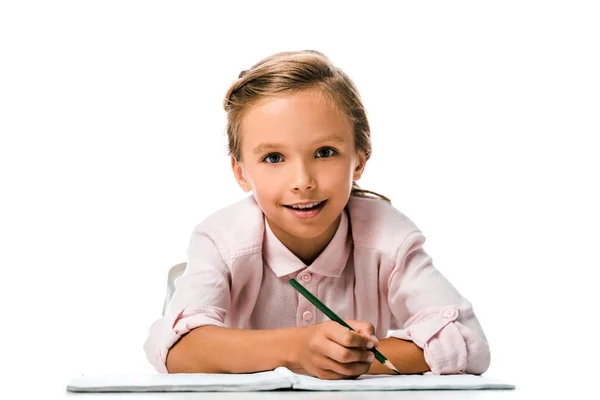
<point>325,152</point>
<point>273,158</point>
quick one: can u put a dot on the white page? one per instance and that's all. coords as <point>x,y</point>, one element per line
<point>396,382</point>
<point>269,380</point>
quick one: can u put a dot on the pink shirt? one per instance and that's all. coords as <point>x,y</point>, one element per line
<point>374,269</point>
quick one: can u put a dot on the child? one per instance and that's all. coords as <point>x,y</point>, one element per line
<point>299,140</point>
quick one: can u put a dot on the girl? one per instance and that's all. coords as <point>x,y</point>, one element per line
<point>299,140</point>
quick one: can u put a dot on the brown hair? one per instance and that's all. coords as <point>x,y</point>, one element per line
<point>293,71</point>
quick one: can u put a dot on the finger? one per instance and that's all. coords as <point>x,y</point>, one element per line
<point>346,370</point>
<point>299,371</point>
<point>327,374</point>
<point>363,327</point>
<point>316,371</point>
<point>343,354</point>
<point>347,338</point>
<point>330,375</point>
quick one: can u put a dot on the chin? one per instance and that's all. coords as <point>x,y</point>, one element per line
<point>309,233</point>
<point>299,230</point>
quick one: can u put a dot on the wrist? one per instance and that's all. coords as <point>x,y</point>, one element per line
<point>290,345</point>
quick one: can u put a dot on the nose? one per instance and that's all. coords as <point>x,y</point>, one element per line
<point>303,178</point>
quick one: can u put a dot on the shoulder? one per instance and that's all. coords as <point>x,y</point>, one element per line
<point>235,229</point>
<point>379,225</point>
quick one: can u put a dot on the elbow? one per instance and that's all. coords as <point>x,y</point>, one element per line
<point>180,350</point>
<point>173,363</point>
<point>478,358</point>
<point>176,361</point>
<point>184,358</point>
<point>179,360</point>
<point>454,352</point>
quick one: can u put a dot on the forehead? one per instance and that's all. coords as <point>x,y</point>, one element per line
<point>293,118</point>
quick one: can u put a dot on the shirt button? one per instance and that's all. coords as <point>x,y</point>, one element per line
<point>449,313</point>
<point>307,315</point>
<point>305,277</point>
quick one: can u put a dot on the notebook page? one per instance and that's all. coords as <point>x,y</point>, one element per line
<point>269,380</point>
<point>400,382</point>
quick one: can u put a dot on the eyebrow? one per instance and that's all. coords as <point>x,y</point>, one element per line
<point>266,146</point>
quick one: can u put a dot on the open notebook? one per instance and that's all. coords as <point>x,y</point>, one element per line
<point>279,378</point>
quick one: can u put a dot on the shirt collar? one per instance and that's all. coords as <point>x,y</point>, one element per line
<point>331,262</point>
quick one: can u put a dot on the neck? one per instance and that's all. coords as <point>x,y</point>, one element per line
<point>306,249</point>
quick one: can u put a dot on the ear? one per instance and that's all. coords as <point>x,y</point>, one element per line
<point>238,173</point>
<point>361,162</point>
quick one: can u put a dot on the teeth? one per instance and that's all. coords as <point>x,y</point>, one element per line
<point>310,205</point>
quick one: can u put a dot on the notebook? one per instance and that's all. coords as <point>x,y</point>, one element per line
<point>279,379</point>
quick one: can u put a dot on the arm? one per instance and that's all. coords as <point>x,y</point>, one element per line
<point>213,349</point>
<point>405,355</point>
<point>201,299</point>
<point>433,314</point>
<point>326,350</point>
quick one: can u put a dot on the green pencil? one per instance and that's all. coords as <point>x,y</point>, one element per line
<point>333,316</point>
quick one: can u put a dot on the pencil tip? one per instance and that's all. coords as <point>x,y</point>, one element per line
<point>391,366</point>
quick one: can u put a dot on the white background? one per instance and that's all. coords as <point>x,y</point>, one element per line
<point>485,124</point>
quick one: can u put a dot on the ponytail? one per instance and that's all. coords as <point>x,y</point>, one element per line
<point>358,192</point>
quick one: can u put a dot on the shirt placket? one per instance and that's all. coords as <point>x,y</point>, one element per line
<point>306,313</point>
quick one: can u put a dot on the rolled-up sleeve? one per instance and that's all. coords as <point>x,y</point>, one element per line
<point>201,297</point>
<point>433,314</point>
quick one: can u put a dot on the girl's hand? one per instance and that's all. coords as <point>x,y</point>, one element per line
<point>330,351</point>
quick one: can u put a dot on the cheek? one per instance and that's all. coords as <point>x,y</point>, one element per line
<point>265,189</point>
<point>339,173</point>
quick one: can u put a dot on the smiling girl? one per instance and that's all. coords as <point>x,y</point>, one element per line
<point>299,139</point>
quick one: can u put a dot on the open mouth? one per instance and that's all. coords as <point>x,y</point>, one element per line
<point>308,207</point>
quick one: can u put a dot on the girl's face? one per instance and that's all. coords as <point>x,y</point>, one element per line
<point>296,151</point>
